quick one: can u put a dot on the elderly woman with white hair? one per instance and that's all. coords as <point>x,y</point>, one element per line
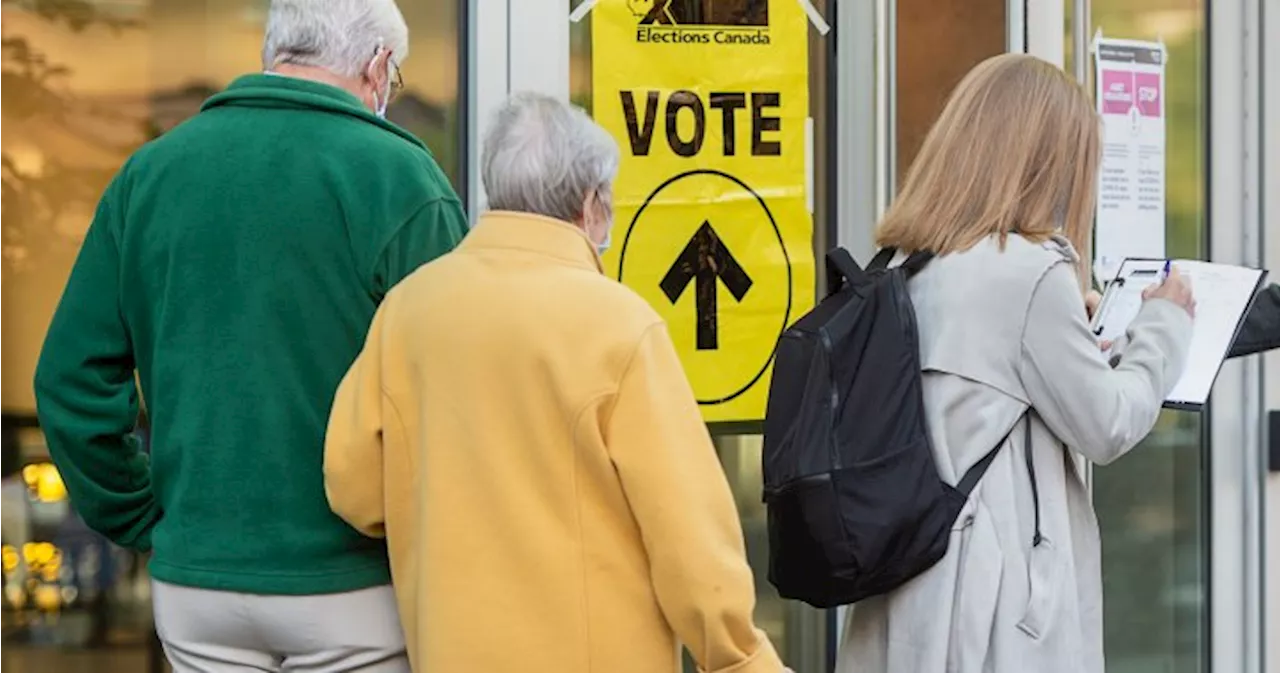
<point>520,427</point>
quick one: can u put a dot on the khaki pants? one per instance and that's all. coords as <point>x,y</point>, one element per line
<point>225,632</point>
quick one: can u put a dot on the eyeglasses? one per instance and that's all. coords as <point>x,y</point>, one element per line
<point>397,80</point>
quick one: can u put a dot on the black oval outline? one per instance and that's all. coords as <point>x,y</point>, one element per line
<point>786,316</point>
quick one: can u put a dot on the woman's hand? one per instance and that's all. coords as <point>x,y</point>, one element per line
<point>1176,288</point>
<point>1092,300</point>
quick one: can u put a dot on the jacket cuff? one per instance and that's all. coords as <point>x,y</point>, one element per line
<point>764,660</point>
<point>1168,326</point>
<point>140,542</point>
<point>1168,310</point>
<point>143,543</point>
<point>1167,318</point>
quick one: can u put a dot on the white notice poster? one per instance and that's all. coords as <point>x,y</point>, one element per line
<point>1130,97</point>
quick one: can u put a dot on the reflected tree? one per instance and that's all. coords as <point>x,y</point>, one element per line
<point>61,148</point>
<point>39,187</point>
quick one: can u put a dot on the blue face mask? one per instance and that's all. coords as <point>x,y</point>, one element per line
<point>604,202</point>
<point>603,246</point>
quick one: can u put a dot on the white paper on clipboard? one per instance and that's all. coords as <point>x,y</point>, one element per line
<point>1223,295</point>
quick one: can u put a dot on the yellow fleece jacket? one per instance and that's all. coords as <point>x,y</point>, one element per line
<point>519,427</point>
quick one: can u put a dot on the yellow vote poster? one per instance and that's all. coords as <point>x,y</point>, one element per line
<point>708,100</point>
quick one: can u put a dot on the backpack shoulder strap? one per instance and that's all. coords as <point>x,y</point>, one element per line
<point>971,478</point>
<point>842,268</point>
<point>916,261</point>
<point>881,261</point>
<point>912,264</point>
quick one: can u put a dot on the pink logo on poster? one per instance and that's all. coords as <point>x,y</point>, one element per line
<point>1117,91</point>
<point>1148,85</point>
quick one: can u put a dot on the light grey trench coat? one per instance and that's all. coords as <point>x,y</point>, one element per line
<point>1001,332</point>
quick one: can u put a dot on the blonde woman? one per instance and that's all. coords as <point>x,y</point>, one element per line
<point>1003,193</point>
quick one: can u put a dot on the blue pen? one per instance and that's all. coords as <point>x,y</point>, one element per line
<point>1165,274</point>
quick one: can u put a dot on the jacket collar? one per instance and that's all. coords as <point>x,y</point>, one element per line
<point>279,91</point>
<point>526,232</point>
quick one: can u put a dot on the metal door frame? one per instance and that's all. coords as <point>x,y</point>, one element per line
<point>1269,77</point>
<point>864,31</point>
<point>1236,456</point>
<point>512,45</point>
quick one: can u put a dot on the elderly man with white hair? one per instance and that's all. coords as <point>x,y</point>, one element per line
<point>235,265</point>
<point>520,427</point>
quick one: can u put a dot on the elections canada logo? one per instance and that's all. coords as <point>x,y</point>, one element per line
<point>736,22</point>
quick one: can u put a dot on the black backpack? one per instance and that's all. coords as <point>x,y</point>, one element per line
<point>856,507</point>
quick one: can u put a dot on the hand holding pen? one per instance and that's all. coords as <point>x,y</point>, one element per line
<point>1174,287</point>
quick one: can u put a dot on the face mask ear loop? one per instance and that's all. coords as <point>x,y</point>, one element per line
<point>605,206</point>
<point>380,105</point>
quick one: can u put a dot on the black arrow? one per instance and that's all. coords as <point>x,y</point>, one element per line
<point>705,259</point>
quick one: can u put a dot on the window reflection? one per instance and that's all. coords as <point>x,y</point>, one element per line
<point>430,106</point>
<point>1151,503</point>
<point>938,42</point>
<point>85,84</point>
<point>741,456</point>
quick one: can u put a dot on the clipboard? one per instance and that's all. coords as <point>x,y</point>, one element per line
<point>1224,293</point>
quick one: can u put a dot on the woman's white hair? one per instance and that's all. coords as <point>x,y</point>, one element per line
<point>340,36</point>
<point>544,156</point>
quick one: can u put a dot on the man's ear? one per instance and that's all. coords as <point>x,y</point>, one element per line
<point>377,68</point>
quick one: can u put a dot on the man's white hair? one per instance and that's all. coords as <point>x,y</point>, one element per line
<point>340,36</point>
<point>544,156</point>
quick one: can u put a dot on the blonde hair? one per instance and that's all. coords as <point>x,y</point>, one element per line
<point>1015,151</point>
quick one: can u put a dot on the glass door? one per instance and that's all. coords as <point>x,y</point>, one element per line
<point>937,42</point>
<point>1152,504</point>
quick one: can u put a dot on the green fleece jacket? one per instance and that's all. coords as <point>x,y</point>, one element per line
<point>235,264</point>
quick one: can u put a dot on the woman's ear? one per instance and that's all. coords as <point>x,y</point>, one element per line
<point>595,217</point>
<point>589,208</point>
